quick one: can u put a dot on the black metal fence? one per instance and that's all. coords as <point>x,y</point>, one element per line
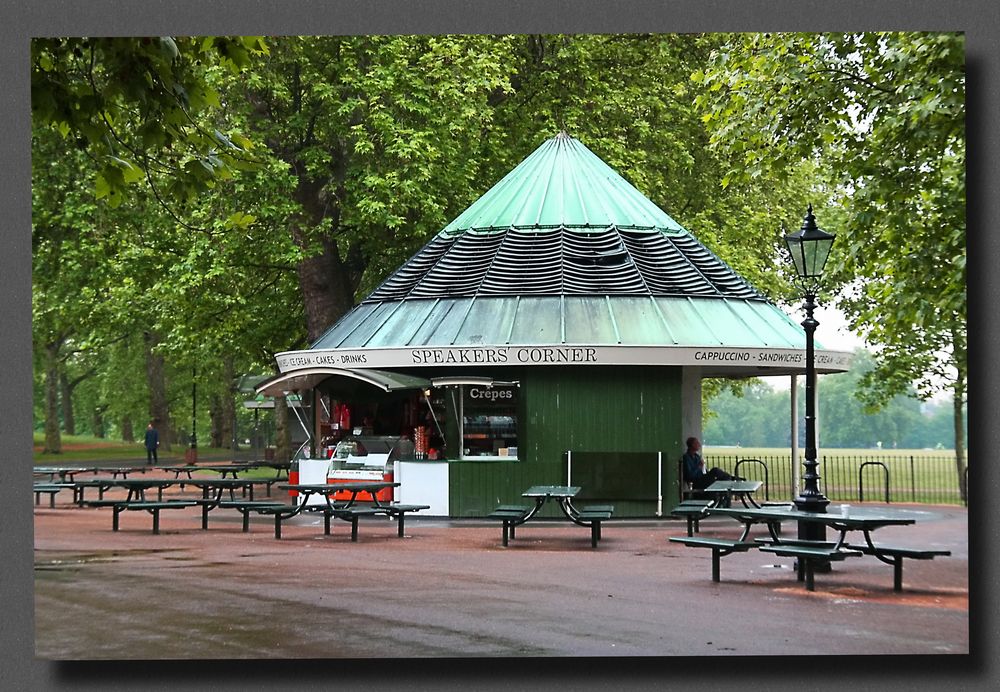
<point>930,479</point>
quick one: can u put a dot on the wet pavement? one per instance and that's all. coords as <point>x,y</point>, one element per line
<point>448,589</point>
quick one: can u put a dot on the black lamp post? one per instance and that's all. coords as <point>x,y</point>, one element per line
<point>191,456</point>
<point>809,249</point>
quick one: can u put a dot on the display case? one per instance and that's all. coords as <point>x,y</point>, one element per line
<point>489,422</point>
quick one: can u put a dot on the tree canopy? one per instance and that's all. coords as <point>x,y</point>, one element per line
<point>200,203</point>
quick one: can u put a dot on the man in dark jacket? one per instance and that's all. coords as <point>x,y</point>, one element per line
<point>694,467</point>
<point>152,442</point>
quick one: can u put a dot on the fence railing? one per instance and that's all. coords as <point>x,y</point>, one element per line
<point>845,478</point>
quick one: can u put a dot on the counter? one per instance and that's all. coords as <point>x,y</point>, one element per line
<point>423,483</point>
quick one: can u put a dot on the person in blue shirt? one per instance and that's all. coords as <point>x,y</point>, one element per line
<point>694,467</point>
<point>152,442</point>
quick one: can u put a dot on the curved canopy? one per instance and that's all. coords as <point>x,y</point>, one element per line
<point>308,378</point>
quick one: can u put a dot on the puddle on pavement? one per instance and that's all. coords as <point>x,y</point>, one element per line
<point>72,561</point>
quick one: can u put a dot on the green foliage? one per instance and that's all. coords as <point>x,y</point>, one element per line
<point>760,416</point>
<point>270,186</point>
<point>138,108</point>
<point>884,114</point>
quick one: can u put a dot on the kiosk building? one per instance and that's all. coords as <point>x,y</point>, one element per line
<point>556,332</point>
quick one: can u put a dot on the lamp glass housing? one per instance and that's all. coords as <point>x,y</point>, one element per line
<point>809,248</point>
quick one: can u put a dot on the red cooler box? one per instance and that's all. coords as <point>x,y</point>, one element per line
<point>356,475</point>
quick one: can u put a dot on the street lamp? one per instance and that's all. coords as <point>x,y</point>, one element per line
<point>191,455</point>
<point>809,249</point>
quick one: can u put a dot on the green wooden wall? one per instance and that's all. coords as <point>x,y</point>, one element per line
<point>584,409</point>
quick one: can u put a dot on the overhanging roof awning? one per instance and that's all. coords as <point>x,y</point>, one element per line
<point>309,378</point>
<point>473,380</point>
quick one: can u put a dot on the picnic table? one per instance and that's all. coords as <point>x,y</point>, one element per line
<point>231,469</point>
<point>591,517</point>
<point>220,486</point>
<point>347,511</point>
<point>810,552</point>
<point>51,488</point>
<point>721,493</point>
<point>136,487</point>
<point>68,473</point>
<point>65,473</point>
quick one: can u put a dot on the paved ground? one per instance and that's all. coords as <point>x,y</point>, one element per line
<point>449,589</point>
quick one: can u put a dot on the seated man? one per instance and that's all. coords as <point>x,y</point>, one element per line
<point>694,467</point>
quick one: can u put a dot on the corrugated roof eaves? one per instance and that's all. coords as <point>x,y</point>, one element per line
<point>562,319</point>
<point>614,322</point>
<point>663,319</point>
<point>758,305</point>
<point>465,317</point>
<point>385,321</point>
<point>409,340</point>
<point>694,266</point>
<point>513,319</point>
<point>708,325</point>
<point>631,258</point>
<point>736,313</point>
<point>352,330</point>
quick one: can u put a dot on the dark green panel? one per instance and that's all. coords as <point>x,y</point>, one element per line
<point>614,476</point>
<point>586,410</point>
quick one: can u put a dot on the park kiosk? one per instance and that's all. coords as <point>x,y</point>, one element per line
<point>555,332</point>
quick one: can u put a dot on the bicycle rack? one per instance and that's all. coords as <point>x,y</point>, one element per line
<point>736,471</point>
<point>861,484</point>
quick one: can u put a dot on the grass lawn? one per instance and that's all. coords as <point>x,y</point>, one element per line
<point>83,448</point>
<point>916,475</point>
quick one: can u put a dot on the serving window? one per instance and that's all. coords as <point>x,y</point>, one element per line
<point>489,422</point>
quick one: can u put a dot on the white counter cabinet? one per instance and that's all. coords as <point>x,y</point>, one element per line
<point>423,483</point>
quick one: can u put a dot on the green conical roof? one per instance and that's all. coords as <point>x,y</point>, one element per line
<point>563,252</point>
<point>562,184</point>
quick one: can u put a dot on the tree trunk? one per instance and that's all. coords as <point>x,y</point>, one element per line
<point>282,433</point>
<point>97,422</point>
<point>158,409</point>
<point>128,434</point>
<point>326,281</point>
<point>228,406</point>
<point>215,438</point>
<point>66,390</point>
<point>53,440</point>
<point>957,403</point>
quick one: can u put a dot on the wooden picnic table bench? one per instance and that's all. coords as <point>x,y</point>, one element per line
<point>591,516</point>
<point>894,556</point>
<point>693,511</point>
<point>245,508</point>
<point>52,489</point>
<point>808,557</point>
<point>511,516</point>
<point>720,548</point>
<point>348,511</point>
<point>119,506</point>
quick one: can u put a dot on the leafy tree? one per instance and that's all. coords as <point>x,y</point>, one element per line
<point>885,113</point>
<point>136,106</point>
<point>375,135</point>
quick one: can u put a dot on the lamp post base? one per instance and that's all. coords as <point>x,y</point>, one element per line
<point>813,531</point>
